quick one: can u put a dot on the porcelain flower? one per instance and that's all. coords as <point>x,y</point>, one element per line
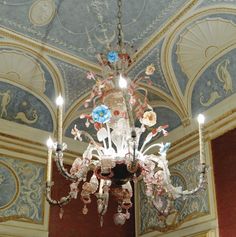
<point>101,114</point>
<point>112,56</point>
<point>90,75</point>
<point>150,70</point>
<point>149,118</point>
<point>164,148</point>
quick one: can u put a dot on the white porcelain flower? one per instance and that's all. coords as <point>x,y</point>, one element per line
<point>149,118</point>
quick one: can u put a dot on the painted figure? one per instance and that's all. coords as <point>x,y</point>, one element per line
<point>224,75</point>
<point>4,103</point>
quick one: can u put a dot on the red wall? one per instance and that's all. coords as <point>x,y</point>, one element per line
<point>224,162</point>
<point>75,224</point>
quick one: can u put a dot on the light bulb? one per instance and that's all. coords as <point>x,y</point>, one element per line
<point>201,118</point>
<point>50,143</point>
<point>122,82</point>
<point>59,100</point>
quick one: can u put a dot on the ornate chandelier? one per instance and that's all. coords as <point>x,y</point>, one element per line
<point>123,150</point>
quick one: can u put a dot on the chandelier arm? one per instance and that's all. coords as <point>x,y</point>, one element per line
<point>150,147</point>
<point>146,142</point>
<point>62,169</point>
<point>98,147</point>
<point>200,186</point>
<point>98,155</point>
<point>176,191</point>
<point>63,201</point>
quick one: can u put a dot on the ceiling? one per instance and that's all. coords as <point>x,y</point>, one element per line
<point>47,46</point>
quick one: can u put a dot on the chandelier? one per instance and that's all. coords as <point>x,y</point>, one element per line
<point>126,147</point>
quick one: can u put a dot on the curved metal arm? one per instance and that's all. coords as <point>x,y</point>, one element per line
<point>86,134</point>
<point>201,183</point>
<point>63,201</point>
<point>61,168</point>
<point>177,191</point>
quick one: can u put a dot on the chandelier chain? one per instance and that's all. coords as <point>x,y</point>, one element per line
<point>119,25</point>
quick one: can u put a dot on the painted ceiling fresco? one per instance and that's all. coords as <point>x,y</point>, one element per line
<point>48,46</point>
<point>84,27</point>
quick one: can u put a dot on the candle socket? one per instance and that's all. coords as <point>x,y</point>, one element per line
<point>59,147</point>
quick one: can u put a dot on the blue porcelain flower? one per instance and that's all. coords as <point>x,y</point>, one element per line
<point>101,114</point>
<point>164,148</point>
<point>112,56</point>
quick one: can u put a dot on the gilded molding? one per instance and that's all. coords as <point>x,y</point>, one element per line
<point>220,125</point>
<point>30,147</point>
<point>10,218</point>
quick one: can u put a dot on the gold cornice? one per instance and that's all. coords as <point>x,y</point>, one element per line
<point>190,141</point>
<point>200,234</point>
<point>222,124</point>
<point>2,154</point>
<point>28,143</point>
<point>23,151</point>
<point>50,50</point>
<point>29,147</point>
<point>67,154</point>
<point>10,218</point>
<point>156,37</point>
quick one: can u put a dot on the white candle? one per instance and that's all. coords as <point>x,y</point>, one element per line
<point>49,163</point>
<point>201,120</point>
<point>59,103</point>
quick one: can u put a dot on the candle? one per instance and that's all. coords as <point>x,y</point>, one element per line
<point>49,164</point>
<point>59,103</point>
<point>201,120</point>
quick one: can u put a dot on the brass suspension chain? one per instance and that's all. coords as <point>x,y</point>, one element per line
<point>119,25</point>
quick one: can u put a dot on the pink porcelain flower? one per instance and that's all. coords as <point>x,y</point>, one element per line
<point>149,118</point>
<point>150,69</point>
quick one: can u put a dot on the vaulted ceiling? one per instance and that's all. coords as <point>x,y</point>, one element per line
<point>47,46</point>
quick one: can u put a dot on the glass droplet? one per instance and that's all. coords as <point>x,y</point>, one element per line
<point>85,210</point>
